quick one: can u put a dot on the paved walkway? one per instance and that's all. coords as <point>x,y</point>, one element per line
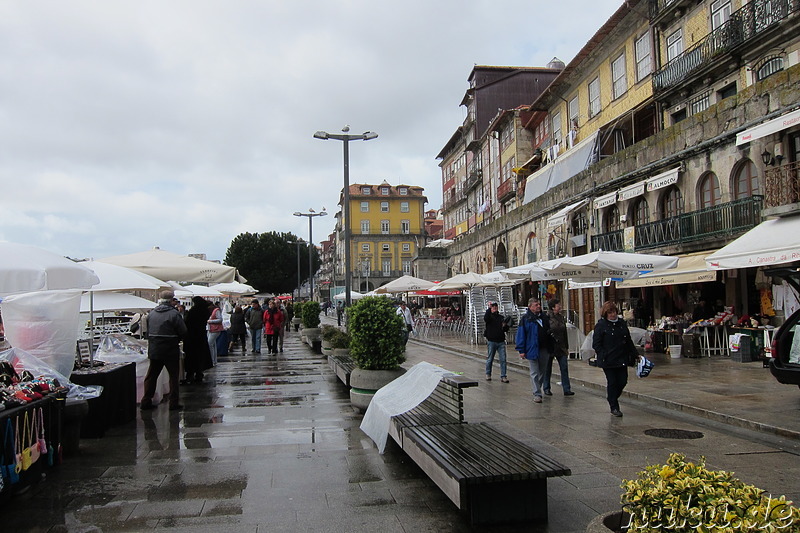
<point>271,443</point>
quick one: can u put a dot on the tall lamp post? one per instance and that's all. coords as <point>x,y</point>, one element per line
<point>346,137</point>
<point>310,215</point>
<point>298,243</point>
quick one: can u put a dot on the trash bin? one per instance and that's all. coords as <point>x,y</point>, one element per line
<point>675,351</point>
<point>691,345</point>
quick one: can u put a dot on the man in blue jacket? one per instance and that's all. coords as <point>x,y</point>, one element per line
<point>533,343</point>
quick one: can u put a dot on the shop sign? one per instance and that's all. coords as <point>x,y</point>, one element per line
<point>605,201</point>
<point>662,180</point>
<point>632,191</point>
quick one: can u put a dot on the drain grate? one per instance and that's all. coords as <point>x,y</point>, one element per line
<point>665,433</point>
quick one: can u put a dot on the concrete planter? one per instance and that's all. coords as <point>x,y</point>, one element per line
<point>314,338</point>
<point>341,351</point>
<point>365,383</point>
<point>607,522</point>
<point>327,350</point>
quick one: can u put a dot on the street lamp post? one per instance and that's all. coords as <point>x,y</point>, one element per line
<point>346,137</point>
<point>310,215</point>
<point>298,243</point>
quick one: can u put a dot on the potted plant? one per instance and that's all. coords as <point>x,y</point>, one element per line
<point>340,343</point>
<point>376,346</point>
<point>311,331</point>
<point>683,496</point>
<point>297,318</point>
<point>328,332</point>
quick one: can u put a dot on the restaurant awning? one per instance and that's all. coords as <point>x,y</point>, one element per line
<point>773,242</point>
<point>561,215</point>
<point>769,127</point>
<point>691,268</point>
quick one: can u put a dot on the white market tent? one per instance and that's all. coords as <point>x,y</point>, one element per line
<point>234,288</point>
<point>117,278</point>
<point>405,284</point>
<point>353,296</point>
<point>190,291</point>
<point>167,265</point>
<point>773,242</point>
<point>26,268</point>
<point>114,301</point>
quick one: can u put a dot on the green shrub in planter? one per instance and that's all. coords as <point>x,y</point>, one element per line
<point>328,332</point>
<point>375,334</point>
<point>310,314</point>
<point>298,310</point>
<point>681,496</point>
<point>340,340</point>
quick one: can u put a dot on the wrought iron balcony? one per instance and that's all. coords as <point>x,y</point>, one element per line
<point>744,24</point>
<point>474,178</point>
<point>782,185</point>
<point>506,190</point>
<point>732,218</point>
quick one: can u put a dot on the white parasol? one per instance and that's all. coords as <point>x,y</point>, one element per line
<point>26,268</point>
<point>405,284</point>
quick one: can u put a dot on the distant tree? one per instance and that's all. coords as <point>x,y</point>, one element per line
<point>269,260</point>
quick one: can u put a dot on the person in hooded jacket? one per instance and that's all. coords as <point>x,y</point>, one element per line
<point>254,316</point>
<point>614,347</point>
<point>198,355</point>
<point>165,329</point>
<point>533,343</point>
<point>273,321</point>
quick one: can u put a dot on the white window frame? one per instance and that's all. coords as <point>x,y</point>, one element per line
<point>387,267</point>
<point>594,97</point>
<point>405,227</point>
<point>365,247</point>
<point>405,207</point>
<point>365,207</point>
<point>557,128</point>
<point>674,44</point>
<point>619,76</point>
<point>385,191</point>
<point>385,227</point>
<point>365,227</point>
<point>644,62</point>
<point>365,190</point>
<point>406,246</point>
<point>403,191</point>
<point>385,247</point>
<point>720,13</point>
<point>384,207</point>
<point>573,108</point>
<point>406,266</point>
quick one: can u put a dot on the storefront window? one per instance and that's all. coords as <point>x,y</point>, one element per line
<point>612,219</point>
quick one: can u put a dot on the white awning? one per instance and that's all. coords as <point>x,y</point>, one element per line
<point>632,191</point>
<point>570,164</point>
<point>605,201</point>
<point>691,268</point>
<point>537,183</point>
<point>561,215</point>
<point>664,179</point>
<point>769,127</point>
<point>773,242</point>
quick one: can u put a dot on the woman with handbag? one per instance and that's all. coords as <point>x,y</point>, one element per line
<point>615,351</point>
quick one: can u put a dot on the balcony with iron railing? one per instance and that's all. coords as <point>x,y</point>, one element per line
<point>729,219</point>
<point>454,198</point>
<point>782,191</point>
<point>506,190</point>
<point>661,8</point>
<point>750,21</point>
<point>474,178</point>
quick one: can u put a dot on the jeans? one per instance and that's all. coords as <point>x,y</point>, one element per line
<point>500,349</point>
<point>616,379</point>
<point>564,370</point>
<point>212,345</point>
<point>538,368</point>
<point>255,336</point>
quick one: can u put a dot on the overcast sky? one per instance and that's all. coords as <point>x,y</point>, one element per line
<point>180,124</point>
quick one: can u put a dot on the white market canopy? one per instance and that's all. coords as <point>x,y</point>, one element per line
<point>114,301</point>
<point>353,296</point>
<point>234,288</point>
<point>190,291</point>
<point>472,279</point>
<point>167,265</point>
<point>405,284</point>
<point>117,278</point>
<point>602,264</point>
<point>26,268</point>
<point>773,242</point>
<point>691,268</point>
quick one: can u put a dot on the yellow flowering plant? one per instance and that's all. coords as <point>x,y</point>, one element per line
<point>682,496</point>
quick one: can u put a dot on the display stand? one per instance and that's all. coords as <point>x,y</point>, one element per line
<point>116,405</point>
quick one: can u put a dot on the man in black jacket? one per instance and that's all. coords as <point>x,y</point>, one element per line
<point>495,333</point>
<point>166,329</point>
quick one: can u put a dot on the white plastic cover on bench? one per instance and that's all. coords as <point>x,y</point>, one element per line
<point>399,396</point>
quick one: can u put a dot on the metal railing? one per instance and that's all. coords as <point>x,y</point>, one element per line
<point>507,189</point>
<point>782,185</point>
<point>752,19</point>
<point>731,218</point>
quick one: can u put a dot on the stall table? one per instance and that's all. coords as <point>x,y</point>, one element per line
<point>116,405</point>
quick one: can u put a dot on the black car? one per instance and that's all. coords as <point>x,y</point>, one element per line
<point>785,362</point>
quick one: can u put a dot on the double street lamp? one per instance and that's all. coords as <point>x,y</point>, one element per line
<point>346,137</point>
<point>310,215</point>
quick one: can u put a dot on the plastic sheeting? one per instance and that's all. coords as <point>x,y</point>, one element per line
<point>45,324</point>
<point>22,360</point>
<point>399,396</point>
<point>119,348</point>
<point>638,336</point>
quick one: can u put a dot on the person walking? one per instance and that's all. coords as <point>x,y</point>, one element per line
<point>197,357</point>
<point>272,322</point>
<point>165,329</point>
<point>408,322</point>
<point>254,317</point>
<point>533,343</point>
<point>238,329</point>
<point>495,333</point>
<point>339,313</point>
<point>215,327</point>
<point>614,348</point>
<point>283,320</point>
<point>558,331</point>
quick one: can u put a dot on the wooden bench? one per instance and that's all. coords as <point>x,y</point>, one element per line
<point>490,475</point>
<point>342,366</point>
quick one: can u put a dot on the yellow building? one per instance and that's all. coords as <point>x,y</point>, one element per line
<point>386,230</point>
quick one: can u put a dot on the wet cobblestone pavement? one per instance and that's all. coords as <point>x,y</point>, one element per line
<point>271,443</point>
